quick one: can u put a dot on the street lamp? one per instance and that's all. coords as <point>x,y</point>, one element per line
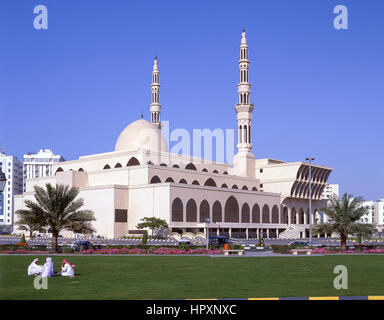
<point>310,200</point>
<point>207,220</point>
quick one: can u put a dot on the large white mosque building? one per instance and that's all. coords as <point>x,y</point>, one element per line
<point>141,178</point>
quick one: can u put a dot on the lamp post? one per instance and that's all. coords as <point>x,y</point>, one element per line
<point>310,200</point>
<point>3,180</point>
<point>207,220</point>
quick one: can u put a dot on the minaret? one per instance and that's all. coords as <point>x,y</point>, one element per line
<point>155,88</point>
<point>244,160</point>
<point>244,108</point>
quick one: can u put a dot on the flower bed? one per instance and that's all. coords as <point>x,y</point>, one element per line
<point>22,251</point>
<point>161,250</point>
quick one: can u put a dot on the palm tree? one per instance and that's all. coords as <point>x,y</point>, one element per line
<point>28,222</point>
<point>344,215</point>
<point>56,209</point>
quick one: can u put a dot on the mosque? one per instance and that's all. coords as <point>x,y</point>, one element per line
<point>141,178</point>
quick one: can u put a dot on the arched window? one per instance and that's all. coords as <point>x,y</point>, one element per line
<point>265,214</point>
<point>190,166</point>
<point>224,185</point>
<point>275,214</point>
<point>81,169</point>
<point>175,166</point>
<point>240,134</point>
<point>60,169</point>
<point>183,181</point>
<point>169,180</point>
<point>285,215</point>
<point>301,216</point>
<point>155,179</point>
<point>225,172</point>
<point>235,187</point>
<point>254,189</point>
<point>255,213</point>
<point>191,211</point>
<point>217,212</point>
<point>245,134</point>
<point>244,188</point>
<point>133,162</point>
<point>293,216</point>
<point>118,165</point>
<point>205,170</point>
<point>163,164</point>
<point>106,167</point>
<point>210,183</point>
<point>149,162</point>
<point>177,210</point>
<point>204,210</point>
<point>215,171</point>
<point>231,211</point>
<point>195,182</point>
<point>245,218</point>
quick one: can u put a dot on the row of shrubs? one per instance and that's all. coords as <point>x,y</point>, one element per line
<point>68,249</point>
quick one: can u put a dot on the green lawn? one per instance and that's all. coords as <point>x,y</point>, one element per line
<point>170,277</point>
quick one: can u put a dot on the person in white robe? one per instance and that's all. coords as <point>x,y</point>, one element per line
<point>48,268</point>
<point>34,269</point>
<point>67,270</point>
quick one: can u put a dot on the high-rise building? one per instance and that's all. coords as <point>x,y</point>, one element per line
<point>379,212</point>
<point>37,165</point>
<point>13,170</point>
<point>370,216</point>
<point>329,190</point>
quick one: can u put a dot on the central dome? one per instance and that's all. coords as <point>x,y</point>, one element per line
<point>141,134</point>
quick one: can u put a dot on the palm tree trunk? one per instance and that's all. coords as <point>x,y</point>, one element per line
<point>54,243</point>
<point>343,242</point>
<point>30,234</point>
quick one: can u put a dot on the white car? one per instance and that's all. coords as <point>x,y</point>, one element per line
<point>185,241</point>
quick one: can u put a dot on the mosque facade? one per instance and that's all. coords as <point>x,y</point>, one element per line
<point>141,178</point>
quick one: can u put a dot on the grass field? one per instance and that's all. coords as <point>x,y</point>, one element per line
<point>179,277</point>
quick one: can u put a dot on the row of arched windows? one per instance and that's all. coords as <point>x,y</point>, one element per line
<point>231,213</point>
<point>209,182</point>
<point>244,75</point>
<point>243,53</point>
<point>244,98</point>
<point>134,162</point>
<point>244,134</point>
<point>191,166</point>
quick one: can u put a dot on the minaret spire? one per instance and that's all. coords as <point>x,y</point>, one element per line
<point>155,106</point>
<point>244,108</point>
<point>244,160</point>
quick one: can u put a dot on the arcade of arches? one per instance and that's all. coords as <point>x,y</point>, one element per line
<point>260,217</point>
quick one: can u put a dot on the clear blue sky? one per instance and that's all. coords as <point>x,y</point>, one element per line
<point>317,91</point>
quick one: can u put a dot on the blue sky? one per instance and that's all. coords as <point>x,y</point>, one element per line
<point>317,91</point>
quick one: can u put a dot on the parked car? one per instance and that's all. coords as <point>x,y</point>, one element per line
<point>184,241</point>
<point>81,244</point>
<point>300,243</point>
<point>219,240</point>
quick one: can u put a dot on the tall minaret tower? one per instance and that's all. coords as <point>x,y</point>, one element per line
<point>243,161</point>
<point>155,88</point>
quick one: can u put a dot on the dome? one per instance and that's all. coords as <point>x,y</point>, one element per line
<point>141,134</point>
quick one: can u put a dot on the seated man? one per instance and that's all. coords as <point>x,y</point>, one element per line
<point>67,269</point>
<point>34,269</point>
<point>48,268</point>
